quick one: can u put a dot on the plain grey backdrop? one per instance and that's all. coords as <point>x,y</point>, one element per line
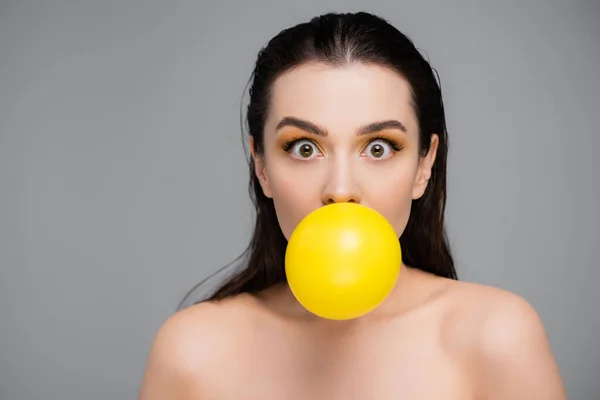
<point>123,178</point>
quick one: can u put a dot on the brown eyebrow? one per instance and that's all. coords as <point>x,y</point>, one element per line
<point>317,130</point>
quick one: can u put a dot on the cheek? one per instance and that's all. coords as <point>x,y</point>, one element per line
<point>390,193</point>
<point>295,195</point>
<point>387,189</point>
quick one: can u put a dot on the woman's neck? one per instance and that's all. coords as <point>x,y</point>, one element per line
<point>409,291</point>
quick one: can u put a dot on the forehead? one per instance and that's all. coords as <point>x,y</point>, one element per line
<point>342,98</point>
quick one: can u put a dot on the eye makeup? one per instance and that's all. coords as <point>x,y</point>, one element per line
<point>289,143</point>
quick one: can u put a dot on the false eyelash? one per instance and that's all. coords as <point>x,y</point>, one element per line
<point>287,146</point>
<point>393,144</point>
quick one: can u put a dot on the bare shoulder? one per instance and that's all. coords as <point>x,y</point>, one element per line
<point>189,347</point>
<point>506,341</point>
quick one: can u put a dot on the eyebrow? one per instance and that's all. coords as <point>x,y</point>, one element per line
<point>317,130</point>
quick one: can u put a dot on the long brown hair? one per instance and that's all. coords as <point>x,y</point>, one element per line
<point>339,39</point>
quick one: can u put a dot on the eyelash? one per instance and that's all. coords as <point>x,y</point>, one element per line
<point>393,144</point>
<point>287,146</point>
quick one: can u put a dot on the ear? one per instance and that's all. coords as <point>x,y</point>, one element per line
<point>425,167</point>
<point>260,169</point>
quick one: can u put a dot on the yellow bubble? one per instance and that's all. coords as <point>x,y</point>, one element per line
<point>342,261</point>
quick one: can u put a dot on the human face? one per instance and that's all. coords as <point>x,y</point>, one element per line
<point>342,134</point>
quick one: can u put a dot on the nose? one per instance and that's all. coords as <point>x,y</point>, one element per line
<point>341,185</point>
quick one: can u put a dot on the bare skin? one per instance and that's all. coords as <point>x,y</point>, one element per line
<point>433,338</point>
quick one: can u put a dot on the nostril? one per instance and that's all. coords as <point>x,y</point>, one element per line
<point>332,201</point>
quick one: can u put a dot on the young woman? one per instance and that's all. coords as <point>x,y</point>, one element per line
<point>345,109</point>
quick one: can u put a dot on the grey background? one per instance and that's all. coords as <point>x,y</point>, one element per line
<point>123,177</point>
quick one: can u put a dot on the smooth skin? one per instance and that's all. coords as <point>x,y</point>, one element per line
<point>433,338</point>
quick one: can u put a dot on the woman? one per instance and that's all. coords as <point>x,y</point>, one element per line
<point>345,109</point>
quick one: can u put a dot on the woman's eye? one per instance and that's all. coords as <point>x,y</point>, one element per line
<point>304,149</point>
<point>379,149</point>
